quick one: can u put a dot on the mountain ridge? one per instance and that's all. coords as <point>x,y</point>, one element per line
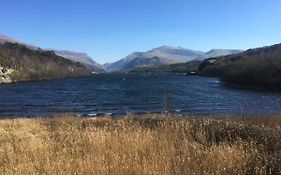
<point>254,68</point>
<point>19,63</point>
<point>164,55</point>
<point>5,38</point>
<point>80,57</point>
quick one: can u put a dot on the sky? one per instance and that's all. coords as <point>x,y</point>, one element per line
<point>109,30</point>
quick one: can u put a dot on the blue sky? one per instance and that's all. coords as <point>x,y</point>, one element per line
<point>111,29</point>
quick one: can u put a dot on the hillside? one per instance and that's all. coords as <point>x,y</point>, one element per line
<point>4,39</point>
<point>162,56</point>
<point>218,52</point>
<point>177,54</point>
<point>119,65</point>
<point>255,68</point>
<point>19,63</point>
<point>191,66</point>
<point>83,58</point>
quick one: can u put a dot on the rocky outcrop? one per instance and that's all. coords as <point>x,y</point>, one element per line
<point>5,75</point>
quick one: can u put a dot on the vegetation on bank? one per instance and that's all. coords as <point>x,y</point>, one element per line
<point>37,64</point>
<point>188,67</point>
<point>151,144</point>
<point>256,68</point>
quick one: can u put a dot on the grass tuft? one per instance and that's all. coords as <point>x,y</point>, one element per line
<point>151,144</point>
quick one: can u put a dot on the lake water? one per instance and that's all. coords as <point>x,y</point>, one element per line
<point>117,94</point>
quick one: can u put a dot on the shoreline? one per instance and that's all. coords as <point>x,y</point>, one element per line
<point>140,115</point>
<point>227,84</point>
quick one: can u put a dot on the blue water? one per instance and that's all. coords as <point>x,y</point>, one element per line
<point>117,94</point>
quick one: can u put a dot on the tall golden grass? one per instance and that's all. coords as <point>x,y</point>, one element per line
<point>151,144</point>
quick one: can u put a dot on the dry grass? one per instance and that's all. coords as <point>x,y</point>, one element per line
<point>152,144</point>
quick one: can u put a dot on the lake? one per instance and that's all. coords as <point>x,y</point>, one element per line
<point>117,94</point>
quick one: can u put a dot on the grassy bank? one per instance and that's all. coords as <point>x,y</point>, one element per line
<point>152,144</point>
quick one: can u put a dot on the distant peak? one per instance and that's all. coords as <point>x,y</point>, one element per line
<point>166,47</point>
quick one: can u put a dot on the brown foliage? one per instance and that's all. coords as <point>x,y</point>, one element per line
<point>255,68</point>
<point>37,64</point>
<point>151,144</point>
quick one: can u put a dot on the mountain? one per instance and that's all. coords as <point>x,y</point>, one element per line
<point>254,68</point>
<point>161,56</point>
<point>175,54</point>
<point>73,56</point>
<point>82,58</point>
<point>4,39</point>
<point>20,63</point>
<point>118,65</point>
<point>217,53</point>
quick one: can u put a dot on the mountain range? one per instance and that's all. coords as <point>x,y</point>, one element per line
<point>257,68</point>
<point>164,55</point>
<point>82,58</point>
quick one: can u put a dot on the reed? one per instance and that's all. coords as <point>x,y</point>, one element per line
<point>150,144</point>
